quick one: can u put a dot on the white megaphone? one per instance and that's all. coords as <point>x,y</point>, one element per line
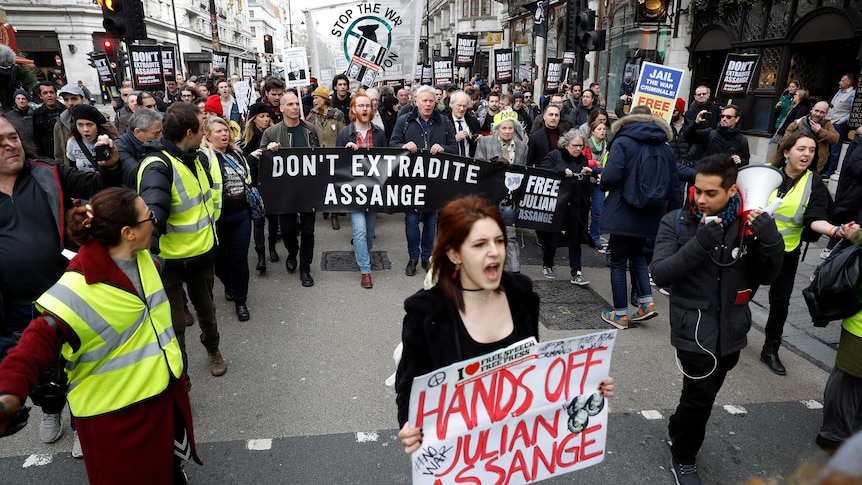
<point>755,183</point>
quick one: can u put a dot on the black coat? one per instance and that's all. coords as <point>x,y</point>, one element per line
<point>431,325</point>
<point>538,146</point>
<point>575,230</point>
<point>848,197</point>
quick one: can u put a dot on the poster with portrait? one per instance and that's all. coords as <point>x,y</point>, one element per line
<point>295,67</point>
<point>366,61</point>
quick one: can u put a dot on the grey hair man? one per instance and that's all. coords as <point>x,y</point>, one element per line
<point>145,126</point>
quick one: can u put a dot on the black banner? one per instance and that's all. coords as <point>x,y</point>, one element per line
<point>442,72</point>
<point>553,75</point>
<point>147,72</point>
<point>392,180</point>
<point>103,68</point>
<point>465,49</point>
<point>220,62</point>
<point>427,75</point>
<point>168,64</point>
<point>855,120</point>
<point>736,74</point>
<point>540,18</point>
<point>249,68</point>
<point>394,83</point>
<point>503,66</point>
<point>417,74</point>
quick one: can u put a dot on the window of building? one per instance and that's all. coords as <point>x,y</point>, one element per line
<point>474,11</point>
<point>486,7</point>
<point>465,8</point>
<point>253,31</point>
<point>251,14</point>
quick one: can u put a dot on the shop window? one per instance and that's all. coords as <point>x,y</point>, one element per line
<point>770,61</point>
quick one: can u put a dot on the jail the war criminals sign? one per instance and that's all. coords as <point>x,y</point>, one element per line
<point>394,180</point>
<point>519,415</point>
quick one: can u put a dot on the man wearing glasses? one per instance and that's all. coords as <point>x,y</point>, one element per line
<point>530,107</point>
<point>703,103</point>
<point>724,139</point>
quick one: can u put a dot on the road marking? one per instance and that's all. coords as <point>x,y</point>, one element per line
<point>735,409</point>
<point>259,445</point>
<point>651,414</point>
<point>365,437</point>
<point>812,404</point>
<point>37,460</point>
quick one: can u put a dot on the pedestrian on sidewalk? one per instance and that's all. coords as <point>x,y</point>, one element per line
<point>805,205</point>
<point>713,273</point>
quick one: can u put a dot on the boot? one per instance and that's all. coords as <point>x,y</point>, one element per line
<point>769,355</point>
<point>273,255</point>
<point>261,259</point>
<point>333,218</point>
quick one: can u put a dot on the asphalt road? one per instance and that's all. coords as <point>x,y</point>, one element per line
<point>304,400</point>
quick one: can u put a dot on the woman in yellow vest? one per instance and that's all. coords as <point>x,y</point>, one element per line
<point>109,317</point>
<point>842,399</point>
<point>806,204</point>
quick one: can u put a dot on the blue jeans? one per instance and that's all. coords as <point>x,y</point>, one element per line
<point>231,265</point>
<point>548,253</point>
<point>597,201</point>
<point>363,224</point>
<point>625,249</point>
<point>411,228</point>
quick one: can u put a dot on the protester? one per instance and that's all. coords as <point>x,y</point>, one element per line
<point>596,151</point>
<point>785,103</point>
<point>44,119</point>
<point>258,122</point>
<point>341,94</point>
<point>328,121</point>
<point>87,125</point>
<point>21,115</point>
<point>474,303</point>
<point>273,90</point>
<point>800,107</point>
<point>111,286</point>
<point>544,138</point>
<point>467,129</point>
<point>145,127</point>
<point>726,138</point>
<point>72,96</point>
<point>839,115</point>
<point>702,102</point>
<point>821,129</point>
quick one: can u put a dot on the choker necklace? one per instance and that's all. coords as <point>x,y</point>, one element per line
<point>472,289</point>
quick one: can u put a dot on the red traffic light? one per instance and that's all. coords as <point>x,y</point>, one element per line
<point>108,44</point>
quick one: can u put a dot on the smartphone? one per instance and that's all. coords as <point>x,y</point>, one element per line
<point>708,219</point>
<point>706,116</point>
<point>103,152</point>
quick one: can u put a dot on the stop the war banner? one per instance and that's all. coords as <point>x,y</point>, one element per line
<point>168,65</point>
<point>519,415</point>
<point>103,68</point>
<point>736,74</point>
<point>147,71</point>
<point>503,65</point>
<point>658,87</point>
<point>465,50</point>
<point>394,180</point>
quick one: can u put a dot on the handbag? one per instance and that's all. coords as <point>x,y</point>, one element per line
<point>836,292</point>
<point>252,194</point>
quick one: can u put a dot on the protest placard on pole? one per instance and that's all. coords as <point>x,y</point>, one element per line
<point>554,74</point>
<point>658,87</point>
<point>146,60</point>
<point>249,68</point>
<point>465,49</point>
<point>296,67</point>
<point>366,61</point>
<point>442,72</point>
<point>219,62</point>
<point>427,74</point>
<point>169,69</point>
<point>503,66</point>
<point>519,415</point>
<point>736,74</point>
<point>103,68</point>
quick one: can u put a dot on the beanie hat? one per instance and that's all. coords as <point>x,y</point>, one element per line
<point>89,113</point>
<point>680,105</point>
<point>213,105</point>
<point>256,109</point>
<point>389,102</point>
<point>21,91</point>
<point>321,91</point>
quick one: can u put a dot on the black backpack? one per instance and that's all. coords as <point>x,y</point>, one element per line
<point>836,293</point>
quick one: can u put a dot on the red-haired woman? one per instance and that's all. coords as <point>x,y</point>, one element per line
<point>475,307</point>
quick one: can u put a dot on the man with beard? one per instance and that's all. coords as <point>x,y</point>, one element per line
<point>493,107</point>
<point>545,137</point>
<point>574,99</point>
<point>581,112</point>
<point>341,97</point>
<point>724,139</point>
<point>822,129</point>
<point>518,107</point>
<point>703,103</point>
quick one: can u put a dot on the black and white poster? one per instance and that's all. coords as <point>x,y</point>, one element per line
<point>442,72</point>
<point>465,50</point>
<point>147,72</point>
<point>366,60</point>
<point>169,69</point>
<point>503,65</point>
<point>249,68</point>
<point>417,74</point>
<point>392,180</point>
<point>736,74</point>
<point>394,83</point>
<point>103,68</point>
<point>296,70</point>
<point>553,75</point>
<point>220,62</point>
<point>427,74</point>
<point>568,58</point>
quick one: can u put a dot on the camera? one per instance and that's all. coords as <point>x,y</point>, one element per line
<point>706,116</point>
<point>103,152</point>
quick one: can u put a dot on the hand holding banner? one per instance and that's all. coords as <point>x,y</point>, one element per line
<point>658,87</point>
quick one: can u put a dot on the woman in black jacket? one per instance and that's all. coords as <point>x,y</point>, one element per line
<point>258,121</point>
<point>569,161</point>
<point>473,309</point>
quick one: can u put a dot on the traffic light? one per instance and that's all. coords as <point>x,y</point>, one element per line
<point>110,47</point>
<point>267,44</point>
<point>589,39</point>
<point>124,19</point>
<point>652,11</point>
<point>572,33</point>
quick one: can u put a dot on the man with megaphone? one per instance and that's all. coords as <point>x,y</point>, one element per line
<point>713,269</point>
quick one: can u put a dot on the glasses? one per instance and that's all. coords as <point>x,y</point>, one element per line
<point>363,106</point>
<point>152,219</point>
<point>727,117</point>
<point>700,94</point>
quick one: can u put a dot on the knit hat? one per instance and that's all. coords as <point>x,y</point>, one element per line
<point>680,105</point>
<point>256,109</point>
<point>312,80</point>
<point>213,105</point>
<point>321,91</point>
<point>89,113</point>
<point>21,91</point>
<point>389,102</point>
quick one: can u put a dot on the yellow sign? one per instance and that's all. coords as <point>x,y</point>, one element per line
<point>495,38</point>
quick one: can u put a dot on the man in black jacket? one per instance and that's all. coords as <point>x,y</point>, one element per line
<point>422,129</point>
<point>544,137</point>
<point>724,139</point>
<point>703,103</point>
<point>713,276</point>
<point>44,119</point>
<point>145,126</point>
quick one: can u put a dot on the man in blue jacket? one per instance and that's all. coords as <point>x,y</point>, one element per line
<point>630,227</point>
<point>422,129</point>
<point>713,275</point>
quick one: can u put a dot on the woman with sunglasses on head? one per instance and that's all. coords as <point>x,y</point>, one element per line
<point>110,319</point>
<point>474,307</point>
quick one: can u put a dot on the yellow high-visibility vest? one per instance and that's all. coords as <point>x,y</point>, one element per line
<point>788,217</point>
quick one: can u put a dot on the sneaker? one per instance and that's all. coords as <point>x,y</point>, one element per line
<point>668,438</point>
<point>217,364</point>
<point>77,452</point>
<point>651,282</point>
<point>548,272</point>
<point>579,280</point>
<point>825,252</point>
<point>664,291</point>
<point>602,249</point>
<point>51,429</point>
<point>685,474</point>
<point>645,312</point>
<point>619,321</point>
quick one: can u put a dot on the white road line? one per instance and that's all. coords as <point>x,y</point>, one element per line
<point>735,409</point>
<point>259,445</point>
<point>812,404</point>
<point>651,414</point>
<point>366,437</point>
<point>37,460</point>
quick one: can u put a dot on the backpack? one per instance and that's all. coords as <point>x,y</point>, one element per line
<point>648,181</point>
<point>835,293</point>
